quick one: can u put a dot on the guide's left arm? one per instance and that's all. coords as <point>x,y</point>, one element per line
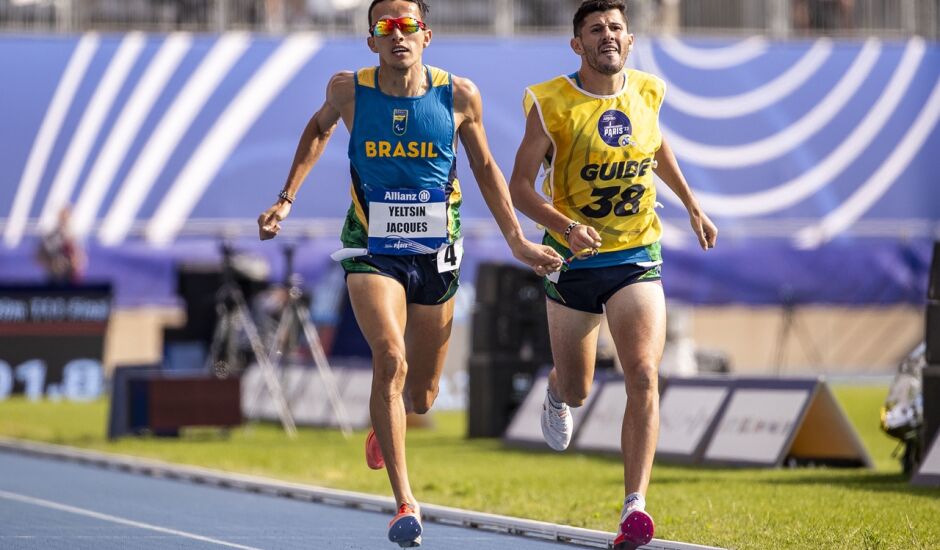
<point>667,168</point>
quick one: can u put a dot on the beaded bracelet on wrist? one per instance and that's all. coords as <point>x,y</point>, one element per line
<point>568,229</point>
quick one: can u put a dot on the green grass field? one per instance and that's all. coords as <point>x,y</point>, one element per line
<point>805,508</point>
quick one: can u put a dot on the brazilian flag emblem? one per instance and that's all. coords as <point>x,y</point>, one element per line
<point>399,121</point>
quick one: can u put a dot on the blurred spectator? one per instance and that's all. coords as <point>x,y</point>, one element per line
<point>60,254</point>
<point>826,15</point>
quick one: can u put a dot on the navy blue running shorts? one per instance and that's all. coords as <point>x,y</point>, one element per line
<point>589,289</point>
<point>417,273</point>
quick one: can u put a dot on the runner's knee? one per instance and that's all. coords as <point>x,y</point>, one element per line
<point>389,367</point>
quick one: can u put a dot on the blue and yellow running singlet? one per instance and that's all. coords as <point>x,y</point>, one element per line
<point>405,193</point>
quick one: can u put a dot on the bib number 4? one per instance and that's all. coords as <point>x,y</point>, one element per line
<point>449,257</point>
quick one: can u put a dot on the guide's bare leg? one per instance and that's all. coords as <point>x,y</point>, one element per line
<point>637,318</point>
<point>381,311</point>
<point>573,336</point>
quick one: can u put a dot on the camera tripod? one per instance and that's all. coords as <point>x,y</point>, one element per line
<point>296,315</point>
<point>234,318</point>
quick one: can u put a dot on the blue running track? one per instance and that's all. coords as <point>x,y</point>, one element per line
<point>94,500</point>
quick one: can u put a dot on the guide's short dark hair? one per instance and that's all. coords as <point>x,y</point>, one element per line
<point>422,6</point>
<point>590,6</point>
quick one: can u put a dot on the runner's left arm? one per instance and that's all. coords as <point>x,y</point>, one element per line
<point>468,104</point>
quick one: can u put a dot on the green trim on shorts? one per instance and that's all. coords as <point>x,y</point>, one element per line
<point>453,217</point>
<point>654,273</point>
<point>354,235</point>
<point>451,288</point>
<point>352,265</point>
<point>551,291</point>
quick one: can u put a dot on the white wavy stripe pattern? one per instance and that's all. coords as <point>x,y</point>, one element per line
<point>163,141</point>
<point>90,126</point>
<point>46,137</point>
<point>771,147</point>
<point>126,128</point>
<point>879,182</point>
<point>714,58</point>
<point>792,192</point>
<point>226,133</point>
<point>741,104</point>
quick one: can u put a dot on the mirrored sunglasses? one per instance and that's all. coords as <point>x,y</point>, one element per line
<point>407,25</point>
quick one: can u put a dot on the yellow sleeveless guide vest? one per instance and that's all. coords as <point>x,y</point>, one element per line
<point>601,168</point>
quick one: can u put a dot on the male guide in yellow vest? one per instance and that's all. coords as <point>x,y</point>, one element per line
<point>601,168</point>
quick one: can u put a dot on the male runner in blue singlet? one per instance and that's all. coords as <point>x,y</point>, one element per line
<point>597,132</point>
<point>401,238</point>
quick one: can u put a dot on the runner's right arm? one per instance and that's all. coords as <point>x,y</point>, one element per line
<point>339,93</point>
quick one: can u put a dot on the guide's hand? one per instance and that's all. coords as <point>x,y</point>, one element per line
<point>584,241</point>
<point>704,229</point>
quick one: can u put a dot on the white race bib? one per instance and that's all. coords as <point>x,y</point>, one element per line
<point>407,221</point>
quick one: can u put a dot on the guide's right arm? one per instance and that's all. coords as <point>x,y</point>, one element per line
<point>340,92</point>
<point>532,151</point>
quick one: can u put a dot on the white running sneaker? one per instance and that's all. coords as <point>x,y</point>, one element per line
<point>557,425</point>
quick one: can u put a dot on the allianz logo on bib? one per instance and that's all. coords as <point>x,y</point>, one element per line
<point>615,129</point>
<point>422,196</point>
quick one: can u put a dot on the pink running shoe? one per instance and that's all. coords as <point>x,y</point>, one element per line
<point>374,457</point>
<point>636,529</point>
<point>405,528</point>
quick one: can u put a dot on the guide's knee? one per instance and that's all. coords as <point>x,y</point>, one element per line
<point>642,379</point>
<point>575,396</point>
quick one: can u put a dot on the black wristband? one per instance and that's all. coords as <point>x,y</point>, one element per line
<point>286,196</point>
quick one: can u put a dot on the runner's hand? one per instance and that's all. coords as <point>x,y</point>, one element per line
<point>584,240</point>
<point>269,222</point>
<point>704,229</point>
<point>542,259</point>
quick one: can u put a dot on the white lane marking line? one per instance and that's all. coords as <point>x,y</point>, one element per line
<point>114,519</point>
